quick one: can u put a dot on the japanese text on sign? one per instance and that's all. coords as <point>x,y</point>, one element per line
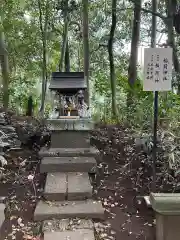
<point>157,69</point>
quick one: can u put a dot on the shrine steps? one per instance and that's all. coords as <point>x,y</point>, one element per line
<point>68,164</point>
<point>68,209</point>
<point>68,192</point>
<point>67,186</point>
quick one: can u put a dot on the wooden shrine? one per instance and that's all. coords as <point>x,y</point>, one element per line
<point>69,88</point>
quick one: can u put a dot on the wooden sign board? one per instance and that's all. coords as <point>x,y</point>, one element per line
<point>157,69</point>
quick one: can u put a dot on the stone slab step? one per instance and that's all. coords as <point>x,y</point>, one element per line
<point>56,225</point>
<point>69,152</point>
<point>79,234</point>
<point>56,187</point>
<point>68,164</point>
<point>79,186</point>
<point>2,216</point>
<point>68,209</point>
<point>70,186</point>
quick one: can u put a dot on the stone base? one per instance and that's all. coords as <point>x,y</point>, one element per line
<point>71,124</point>
<point>166,203</point>
<point>167,227</point>
<point>167,208</point>
<point>70,139</point>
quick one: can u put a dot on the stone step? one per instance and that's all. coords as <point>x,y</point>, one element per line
<point>79,186</point>
<point>2,216</point>
<point>68,164</point>
<point>68,209</point>
<point>56,225</point>
<point>69,152</point>
<point>78,234</point>
<point>56,187</point>
<point>68,139</point>
<point>70,186</point>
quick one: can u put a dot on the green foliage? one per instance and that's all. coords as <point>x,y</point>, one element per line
<point>20,23</point>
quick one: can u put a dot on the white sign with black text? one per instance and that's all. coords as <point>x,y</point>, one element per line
<point>157,69</point>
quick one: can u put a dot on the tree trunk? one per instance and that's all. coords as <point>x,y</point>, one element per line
<point>5,70</point>
<point>44,46</point>
<point>85,4</point>
<point>4,67</point>
<point>111,60</point>
<point>132,71</point>
<point>67,59</point>
<point>171,40</point>
<point>65,37</point>
<point>154,24</point>
<point>79,57</point>
<point>44,76</point>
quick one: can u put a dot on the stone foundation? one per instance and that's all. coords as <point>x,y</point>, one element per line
<point>167,208</point>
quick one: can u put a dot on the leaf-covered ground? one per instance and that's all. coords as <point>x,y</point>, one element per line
<point>23,188</point>
<point>127,217</point>
<point>124,172</point>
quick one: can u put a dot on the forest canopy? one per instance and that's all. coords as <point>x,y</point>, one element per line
<point>103,38</point>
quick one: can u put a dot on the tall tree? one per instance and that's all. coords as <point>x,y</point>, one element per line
<point>85,4</point>
<point>132,71</point>
<point>67,58</point>
<point>171,39</point>
<point>111,59</point>
<point>65,10</point>
<point>4,66</point>
<point>44,28</point>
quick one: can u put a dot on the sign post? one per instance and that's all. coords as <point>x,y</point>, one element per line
<point>157,77</point>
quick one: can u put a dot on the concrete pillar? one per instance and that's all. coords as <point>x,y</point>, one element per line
<point>167,209</point>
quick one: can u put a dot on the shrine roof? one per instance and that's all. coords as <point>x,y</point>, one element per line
<point>67,81</point>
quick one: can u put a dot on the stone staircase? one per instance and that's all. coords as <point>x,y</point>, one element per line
<point>68,208</point>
